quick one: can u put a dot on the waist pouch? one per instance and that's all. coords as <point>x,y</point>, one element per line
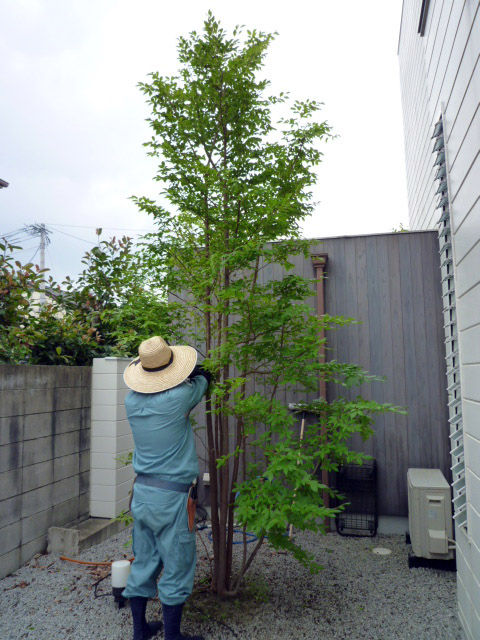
<point>192,506</point>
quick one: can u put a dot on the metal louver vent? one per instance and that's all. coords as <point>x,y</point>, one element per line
<point>450,325</point>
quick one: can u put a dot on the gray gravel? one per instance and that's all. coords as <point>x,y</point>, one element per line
<point>359,595</point>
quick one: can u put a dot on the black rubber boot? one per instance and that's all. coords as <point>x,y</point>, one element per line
<point>172,617</point>
<point>142,630</point>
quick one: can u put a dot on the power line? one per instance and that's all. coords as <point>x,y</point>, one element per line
<point>16,238</point>
<point>76,237</point>
<point>36,251</point>
<point>82,226</point>
<point>11,233</point>
<point>23,249</point>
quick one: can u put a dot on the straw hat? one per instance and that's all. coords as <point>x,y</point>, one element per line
<point>159,366</point>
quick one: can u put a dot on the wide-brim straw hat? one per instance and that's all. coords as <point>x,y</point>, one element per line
<point>159,367</point>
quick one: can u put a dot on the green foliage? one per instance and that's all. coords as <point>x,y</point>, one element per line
<point>36,332</point>
<point>108,310</point>
<point>239,186</point>
<point>118,297</point>
<point>127,519</point>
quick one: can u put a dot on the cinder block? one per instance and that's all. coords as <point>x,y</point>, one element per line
<point>102,476</point>
<point>86,376</point>
<point>66,466</point>
<point>121,505</point>
<point>10,510</point>
<point>84,461</point>
<point>65,444</point>
<point>124,474</point>
<point>65,512</point>
<point>41,377</point>
<point>39,400</point>
<point>11,429</point>
<point>104,461</point>
<point>123,428</point>
<point>10,537</point>
<point>104,429</point>
<point>61,540</point>
<point>10,484</point>
<point>86,420</point>
<point>37,475</point>
<point>110,493</point>
<point>125,444</point>
<point>104,445</point>
<point>27,551</point>
<point>11,456</point>
<point>102,493</point>
<point>108,397</point>
<point>36,525</point>
<point>37,500</point>
<point>68,398</point>
<point>86,396</point>
<point>68,420</point>
<point>100,509</point>
<point>11,403</point>
<point>9,562</point>
<point>110,413</point>
<point>123,490</point>
<point>65,489</point>
<point>84,505</point>
<point>108,381</point>
<point>112,476</point>
<point>38,425</point>
<point>84,482</point>
<point>12,376</point>
<point>109,365</point>
<point>39,450</point>
<point>71,377</point>
<point>84,440</point>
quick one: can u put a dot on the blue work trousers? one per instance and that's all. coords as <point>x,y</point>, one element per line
<point>161,539</point>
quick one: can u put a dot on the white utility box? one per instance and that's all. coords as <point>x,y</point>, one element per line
<point>430,514</point>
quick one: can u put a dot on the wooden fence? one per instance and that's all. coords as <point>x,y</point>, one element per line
<point>391,284</point>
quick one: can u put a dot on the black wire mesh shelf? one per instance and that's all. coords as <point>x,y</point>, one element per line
<point>357,484</point>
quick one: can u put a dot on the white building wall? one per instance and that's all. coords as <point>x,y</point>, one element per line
<point>441,72</point>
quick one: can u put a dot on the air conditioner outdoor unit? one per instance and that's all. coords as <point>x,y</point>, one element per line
<point>430,514</point>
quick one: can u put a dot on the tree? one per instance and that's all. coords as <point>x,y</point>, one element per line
<point>239,188</point>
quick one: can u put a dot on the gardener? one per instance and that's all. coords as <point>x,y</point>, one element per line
<point>166,385</point>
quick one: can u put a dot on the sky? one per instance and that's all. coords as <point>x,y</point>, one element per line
<point>73,119</point>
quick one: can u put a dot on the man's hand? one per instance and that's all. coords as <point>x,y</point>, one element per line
<point>200,371</point>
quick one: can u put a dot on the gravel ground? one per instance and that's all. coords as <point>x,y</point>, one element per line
<point>359,595</point>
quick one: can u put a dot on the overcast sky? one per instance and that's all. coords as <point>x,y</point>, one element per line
<point>73,120</point>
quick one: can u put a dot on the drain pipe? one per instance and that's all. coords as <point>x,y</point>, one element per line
<point>320,264</point>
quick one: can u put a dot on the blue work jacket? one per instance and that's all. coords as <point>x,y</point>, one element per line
<point>162,432</point>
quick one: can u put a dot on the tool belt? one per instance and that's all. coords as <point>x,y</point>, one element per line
<point>180,487</point>
<point>192,506</point>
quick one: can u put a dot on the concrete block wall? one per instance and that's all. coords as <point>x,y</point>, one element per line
<point>44,456</point>
<point>110,479</point>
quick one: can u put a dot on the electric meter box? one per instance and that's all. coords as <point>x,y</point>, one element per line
<point>430,514</point>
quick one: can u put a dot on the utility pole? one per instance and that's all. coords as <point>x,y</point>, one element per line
<point>43,237</point>
<point>42,231</point>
